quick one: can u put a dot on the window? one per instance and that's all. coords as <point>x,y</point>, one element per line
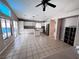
<point>4,9</point>
<point>8,28</point>
<point>3,25</point>
<point>38,25</point>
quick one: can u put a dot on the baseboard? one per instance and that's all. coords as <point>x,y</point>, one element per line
<point>6,47</point>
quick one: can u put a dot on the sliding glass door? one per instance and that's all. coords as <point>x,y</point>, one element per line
<point>4,29</point>
<point>8,28</point>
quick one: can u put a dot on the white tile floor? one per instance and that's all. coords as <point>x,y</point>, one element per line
<point>30,46</point>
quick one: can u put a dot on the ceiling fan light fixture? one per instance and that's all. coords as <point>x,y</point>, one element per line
<point>45,3</point>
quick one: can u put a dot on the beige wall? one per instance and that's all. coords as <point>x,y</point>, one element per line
<point>52,28</point>
<point>59,29</point>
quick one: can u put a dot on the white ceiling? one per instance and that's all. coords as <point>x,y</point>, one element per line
<point>26,9</point>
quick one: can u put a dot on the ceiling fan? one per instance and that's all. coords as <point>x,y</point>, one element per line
<point>45,3</point>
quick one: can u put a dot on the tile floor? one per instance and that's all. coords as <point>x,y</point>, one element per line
<point>31,46</point>
<point>70,53</point>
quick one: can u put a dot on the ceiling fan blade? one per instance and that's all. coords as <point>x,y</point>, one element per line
<point>44,7</point>
<point>38,4</point>
<point>52,5</point>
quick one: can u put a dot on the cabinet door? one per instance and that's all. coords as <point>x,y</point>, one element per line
<point>67,34</point>
<point>72,36</point>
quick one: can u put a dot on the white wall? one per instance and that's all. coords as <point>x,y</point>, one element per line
<point>21,26</point>
<point>55,34</point>
<point>76,43</point>
<point>71,21</point>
